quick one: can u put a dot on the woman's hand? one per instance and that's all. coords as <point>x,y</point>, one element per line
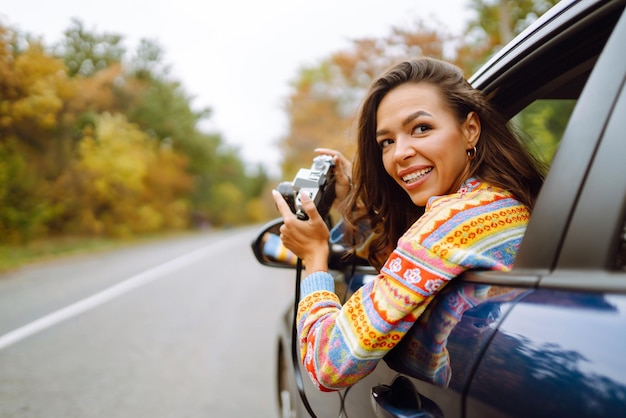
<point>308,239</point>
<point>343,172</point>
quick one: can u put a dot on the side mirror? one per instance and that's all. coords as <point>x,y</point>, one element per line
<point>269,251</point>
<point>268,248</point>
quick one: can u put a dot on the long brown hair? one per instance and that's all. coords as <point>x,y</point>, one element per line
<point>501,159</point>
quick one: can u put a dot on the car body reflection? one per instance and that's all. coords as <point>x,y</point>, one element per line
<point>443,343</point>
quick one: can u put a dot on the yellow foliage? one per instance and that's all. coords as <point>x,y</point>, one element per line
<point>117,157</point>
<point>257,210</point>
<point>124,182</point>
<point>41,85</point>
<point>228,204</point>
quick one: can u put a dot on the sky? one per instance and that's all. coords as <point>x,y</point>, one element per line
<point>237,57</point>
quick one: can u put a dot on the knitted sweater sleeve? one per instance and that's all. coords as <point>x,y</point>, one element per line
<point>341,344</point>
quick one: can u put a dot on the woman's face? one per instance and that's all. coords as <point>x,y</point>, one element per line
<point>424,146</point>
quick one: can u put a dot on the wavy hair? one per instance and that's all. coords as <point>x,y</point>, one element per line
<point>501,159</point>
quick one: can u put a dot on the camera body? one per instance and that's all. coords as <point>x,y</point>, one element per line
<point>317,182</point>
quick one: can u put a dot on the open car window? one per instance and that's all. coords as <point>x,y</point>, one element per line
<point>538,80</point>
<point>542,124</point>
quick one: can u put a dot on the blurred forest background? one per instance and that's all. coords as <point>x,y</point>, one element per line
<point>99,141</point>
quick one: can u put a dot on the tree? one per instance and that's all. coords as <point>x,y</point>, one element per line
<point>23,214</point>
<point>93,144</point>
<point>86,53</point>
<point>122,183</point>
<point>495,23</point>
<point>326,97</point>
<point>147,62</point>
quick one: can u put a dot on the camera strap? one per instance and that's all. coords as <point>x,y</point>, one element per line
<point>294,343</point>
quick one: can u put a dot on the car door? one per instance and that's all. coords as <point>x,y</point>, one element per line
<point>560,351</point>
<point>441,359</point>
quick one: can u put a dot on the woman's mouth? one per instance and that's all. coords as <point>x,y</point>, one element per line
<point>416,175</point>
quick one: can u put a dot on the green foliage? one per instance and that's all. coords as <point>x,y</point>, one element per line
<point>147,64</point>
<point>495,23</point>
<point>163,109</point>
<point>544,123</point>
<point>85,53</point>
<point>503,19</point>
<point>23,214</point>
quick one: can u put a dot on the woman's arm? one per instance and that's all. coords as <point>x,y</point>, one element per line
<point>340,345</point>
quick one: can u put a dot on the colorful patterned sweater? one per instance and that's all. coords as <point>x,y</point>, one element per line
<point>479,227</point>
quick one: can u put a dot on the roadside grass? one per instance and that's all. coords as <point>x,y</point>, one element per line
<point>15,256</point>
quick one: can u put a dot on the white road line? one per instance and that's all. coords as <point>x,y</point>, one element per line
<point>113,292</point>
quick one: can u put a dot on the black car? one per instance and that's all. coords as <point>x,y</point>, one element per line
<point>547,339</point>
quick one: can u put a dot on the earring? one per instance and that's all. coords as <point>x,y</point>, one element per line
<point>471,153</point>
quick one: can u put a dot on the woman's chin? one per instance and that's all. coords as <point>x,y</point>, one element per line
<point>419,199</point>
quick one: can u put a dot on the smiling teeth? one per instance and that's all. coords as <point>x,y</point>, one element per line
<point>410,178</point>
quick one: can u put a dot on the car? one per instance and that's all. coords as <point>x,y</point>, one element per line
<point>548,338</point>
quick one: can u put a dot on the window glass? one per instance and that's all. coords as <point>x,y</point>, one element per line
<point>542,124</point>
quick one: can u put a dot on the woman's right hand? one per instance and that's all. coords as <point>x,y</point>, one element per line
<point>308,239</point>
<point>343,172</point>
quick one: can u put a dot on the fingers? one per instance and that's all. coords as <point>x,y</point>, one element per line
<point>301,237</point>
<point>337,156</point>
<point>309,207</point>
<point>281,204</point>
<point>341,162</point>
<point>327,151</point>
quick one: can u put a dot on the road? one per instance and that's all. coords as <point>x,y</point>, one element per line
<point>178,328</point>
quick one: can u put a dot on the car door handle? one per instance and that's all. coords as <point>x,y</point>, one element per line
<point>402,400</point>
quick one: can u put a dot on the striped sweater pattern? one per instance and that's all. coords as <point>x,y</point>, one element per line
<point>478,227</point>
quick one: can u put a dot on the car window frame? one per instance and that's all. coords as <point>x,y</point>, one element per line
<point>577,168</point>
<point>539,251</point>
<point>580,251</point>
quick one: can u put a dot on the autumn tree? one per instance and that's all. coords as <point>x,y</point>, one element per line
<point>92,143</point>
<point>33,91</point>
<point>325,97</point>
<point>161,108</point>
<point>123,182</point>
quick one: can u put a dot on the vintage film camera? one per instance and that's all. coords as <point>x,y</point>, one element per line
<point>317,182</point>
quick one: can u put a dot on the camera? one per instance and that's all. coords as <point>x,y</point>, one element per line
<point>317,182</point>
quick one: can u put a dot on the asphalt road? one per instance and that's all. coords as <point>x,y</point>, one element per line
<point>178,328</point>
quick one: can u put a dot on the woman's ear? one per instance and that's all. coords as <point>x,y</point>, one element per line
<point>471,128</point>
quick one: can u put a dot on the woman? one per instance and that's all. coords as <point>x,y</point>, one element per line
<point>445,185</point>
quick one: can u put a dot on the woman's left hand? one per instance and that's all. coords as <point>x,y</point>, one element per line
<point>343,172</point>
<point>308,239</point>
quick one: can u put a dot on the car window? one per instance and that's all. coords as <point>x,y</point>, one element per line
<point>541,125</point>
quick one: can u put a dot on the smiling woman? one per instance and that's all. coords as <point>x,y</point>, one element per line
<point>427,152</point>
<point>440,177</point>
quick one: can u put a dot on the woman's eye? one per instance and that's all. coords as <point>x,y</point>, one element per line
<point>421,128</point>
<point>385,143</point>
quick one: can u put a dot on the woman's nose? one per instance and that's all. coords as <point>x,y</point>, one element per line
<point>404,148</point>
